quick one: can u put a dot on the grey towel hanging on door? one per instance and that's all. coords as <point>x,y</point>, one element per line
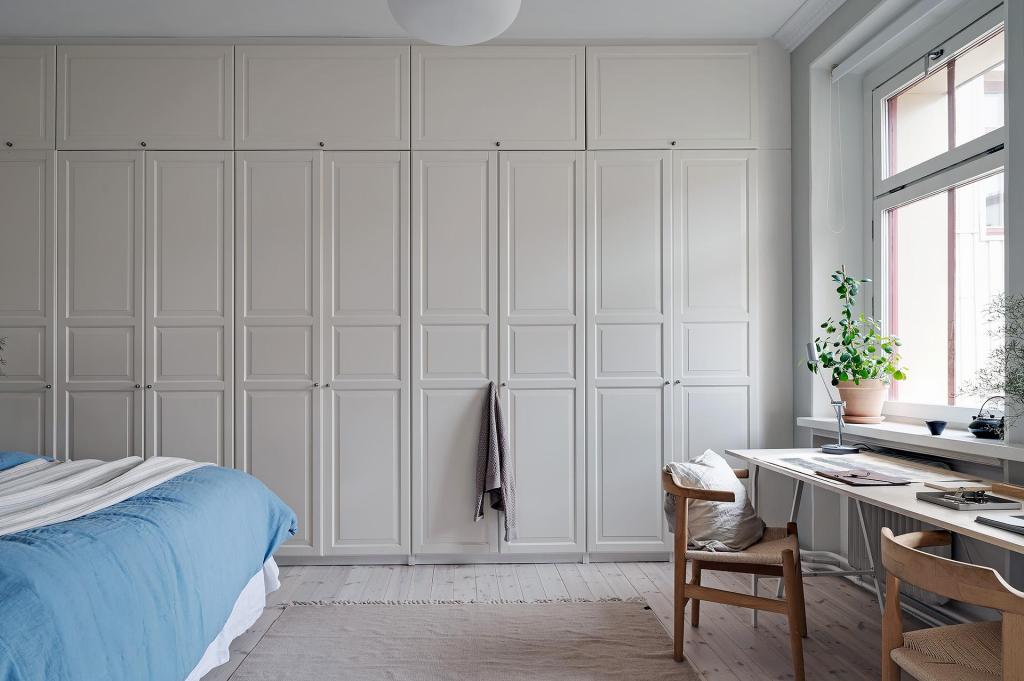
<point>494,470</point>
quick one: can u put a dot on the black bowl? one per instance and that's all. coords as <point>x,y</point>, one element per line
<point>936,427</point>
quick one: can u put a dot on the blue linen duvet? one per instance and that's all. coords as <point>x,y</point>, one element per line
<point>136,591</point>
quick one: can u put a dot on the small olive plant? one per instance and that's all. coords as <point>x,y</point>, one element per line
<point>854,347</point>
<point>1003,374</point>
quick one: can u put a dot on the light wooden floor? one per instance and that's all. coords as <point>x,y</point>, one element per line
<point>843,621</point>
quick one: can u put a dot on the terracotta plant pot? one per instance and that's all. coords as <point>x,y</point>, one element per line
<point>863,402</point>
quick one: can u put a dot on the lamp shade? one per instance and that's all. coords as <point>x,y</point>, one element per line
<point>454,22</point>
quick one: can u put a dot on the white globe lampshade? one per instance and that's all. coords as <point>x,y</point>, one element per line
<point>454,22</point>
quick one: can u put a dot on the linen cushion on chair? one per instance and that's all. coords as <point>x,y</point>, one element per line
<point>972,652</point>
<point>768,551</point>
<point>714,525</point>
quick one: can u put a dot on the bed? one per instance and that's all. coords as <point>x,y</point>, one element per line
<point>130,570</point>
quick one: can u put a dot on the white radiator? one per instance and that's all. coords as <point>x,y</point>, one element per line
<point>875,519</point>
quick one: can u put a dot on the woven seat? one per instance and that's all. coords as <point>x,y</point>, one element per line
<point>768,551</point>
<point>972,652</point>
<point>960,652</point>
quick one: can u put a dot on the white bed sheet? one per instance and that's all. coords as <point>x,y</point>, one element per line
<point>248,608</point>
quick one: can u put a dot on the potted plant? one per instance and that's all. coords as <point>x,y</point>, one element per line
<point>863,360</point>
<point>1003,374</point>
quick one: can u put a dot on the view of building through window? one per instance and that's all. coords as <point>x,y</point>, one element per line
<point>945,265</point>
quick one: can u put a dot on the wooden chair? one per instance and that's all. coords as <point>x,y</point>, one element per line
<point>776,555</point>
<point>977,650</point>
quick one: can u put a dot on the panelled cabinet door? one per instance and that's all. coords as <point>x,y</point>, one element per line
<point>145,96</point>
<point>498,97</point>
<point>682,96</point>
<point>454,357</point>
<point>366,353</point>
<point>713,210</point>
<point>628,347</point>
<point>277,365</point>
<point>100,304</point>
<point>27,75</point>
<point>189,311</point>
<point>541,250</point>
<point>26,300</point>
<point>334,97</point>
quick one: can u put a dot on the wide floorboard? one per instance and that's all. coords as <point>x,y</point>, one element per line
<point>843,620</point>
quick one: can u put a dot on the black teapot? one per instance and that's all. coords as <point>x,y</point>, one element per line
<point>988,427</point>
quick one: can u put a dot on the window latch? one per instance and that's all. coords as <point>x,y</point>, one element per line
<point>935,55</point>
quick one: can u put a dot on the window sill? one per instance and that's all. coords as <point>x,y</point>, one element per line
<point>954,443</point>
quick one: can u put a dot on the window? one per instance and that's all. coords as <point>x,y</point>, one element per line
<point>939,211</point>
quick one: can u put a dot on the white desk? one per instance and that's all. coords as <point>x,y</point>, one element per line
<point>900,499</point>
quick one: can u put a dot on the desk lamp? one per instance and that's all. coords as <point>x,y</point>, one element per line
<point>835,447</point>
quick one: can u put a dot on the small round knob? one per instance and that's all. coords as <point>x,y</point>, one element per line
<point>142,143</point>
<point>316,385</point>
<point>322,144</point>
<point>673,143</point>
<point>667,382</point>
<point>48,386</point>
<point>149,386</point>
<point>137,386</point>
<point>497,144</point>
<point>10,144</point>
<point>327,385</point>
<point>676,382</point>
<point>504,384</point>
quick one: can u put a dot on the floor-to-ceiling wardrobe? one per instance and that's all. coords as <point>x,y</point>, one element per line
<point>309,261</point>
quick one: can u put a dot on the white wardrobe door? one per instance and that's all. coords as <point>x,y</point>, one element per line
<point>27,75</point>
<point>714,208</point>
<point>366,348</point>
<point>26,300</point>
<point>331,96</point>
<point>454,357</point>
<point>189,311</point>
<point>628,347</point>
<point>682,96</point>
<point>278,330</point>
<point>153,96</point>
<point>486,97</point>
<point>100,304</point>
<point>541,253</point>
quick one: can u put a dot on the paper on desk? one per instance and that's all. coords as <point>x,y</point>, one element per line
<point>878,463</point>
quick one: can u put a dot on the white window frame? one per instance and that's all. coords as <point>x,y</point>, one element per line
<point>972,160</point>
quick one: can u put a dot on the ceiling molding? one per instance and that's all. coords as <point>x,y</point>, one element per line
<point>804,21</point>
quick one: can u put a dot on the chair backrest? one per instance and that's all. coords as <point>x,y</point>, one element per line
<point>975,584</point>
<point>693,492</point>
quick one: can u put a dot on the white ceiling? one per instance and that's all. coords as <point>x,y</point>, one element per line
<point>539,19</point>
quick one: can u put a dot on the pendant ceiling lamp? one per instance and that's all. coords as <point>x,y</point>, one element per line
<point>454,22</point>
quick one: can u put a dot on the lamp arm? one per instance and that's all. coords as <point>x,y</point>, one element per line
<point>837,405</point>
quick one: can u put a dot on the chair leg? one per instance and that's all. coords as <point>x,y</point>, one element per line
<point>679,594</point>
<point>798,592</point>
<point>796,645</point>
<point>695,606</point>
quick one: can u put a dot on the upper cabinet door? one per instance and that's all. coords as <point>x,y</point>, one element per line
<point>151,96</point>
<point>308,97</point>
<point>498,98</point>
<point>27,108</point>
<point>685,97</point>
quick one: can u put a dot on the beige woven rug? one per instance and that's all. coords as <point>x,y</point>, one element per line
<point>450,642</point>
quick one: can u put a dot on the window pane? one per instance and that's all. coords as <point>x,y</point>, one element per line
<point>956,103</point>
<point>945,265</point>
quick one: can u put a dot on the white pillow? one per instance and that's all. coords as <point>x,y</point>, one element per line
<point>714,525</point>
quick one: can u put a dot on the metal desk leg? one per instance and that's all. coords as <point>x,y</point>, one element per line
<point>871,558</point>
<point>793,511</point>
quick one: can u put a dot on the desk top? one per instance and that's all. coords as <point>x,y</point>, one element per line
<point>900,499</point>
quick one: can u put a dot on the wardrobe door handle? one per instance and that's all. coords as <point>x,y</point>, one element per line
<point>676,382</point>
<point>316,385</point>
<point>327,385</point>
<point>49,386</point>
<point>9,144</point>
<point>142,143</point>
<point>137,386</point>
<point>149,386</point>
<point>668,382</point>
